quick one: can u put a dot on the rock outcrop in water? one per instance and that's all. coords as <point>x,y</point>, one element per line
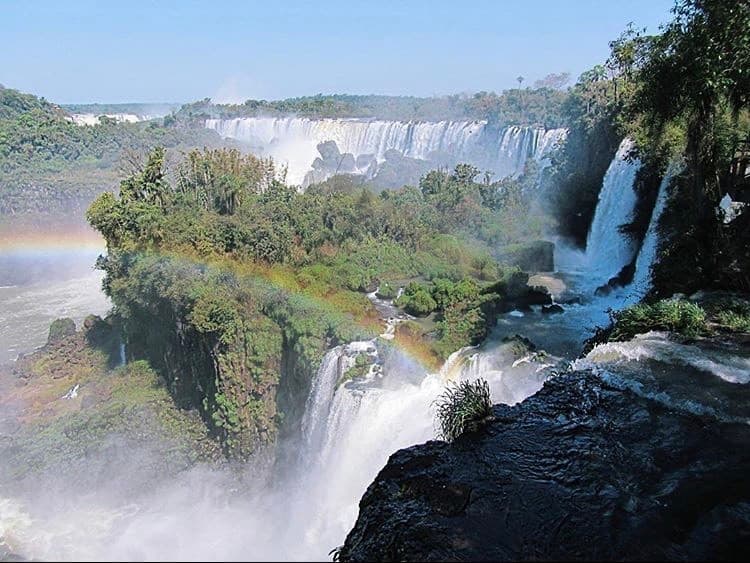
<point>581,470</point>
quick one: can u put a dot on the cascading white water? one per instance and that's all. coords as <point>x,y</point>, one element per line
<point>123,357</point>
<point>360,424</point>
<point>607,249</point>
<point>647,255</point>
<point>294,140</point>
<point>332,369</point>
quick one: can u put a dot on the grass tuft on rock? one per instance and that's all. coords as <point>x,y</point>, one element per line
<point>462,407</point>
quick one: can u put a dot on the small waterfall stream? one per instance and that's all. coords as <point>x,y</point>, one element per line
<point>350,430</point>
<point>647,255</point>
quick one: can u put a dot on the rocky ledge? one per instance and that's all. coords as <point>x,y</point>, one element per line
<point>581,470</point>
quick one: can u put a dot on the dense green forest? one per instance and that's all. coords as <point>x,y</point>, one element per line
<point>243,263</point>
<point>134,108</point>
<point>48,164</point>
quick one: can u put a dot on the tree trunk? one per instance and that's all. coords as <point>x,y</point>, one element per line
<point>704,188</point>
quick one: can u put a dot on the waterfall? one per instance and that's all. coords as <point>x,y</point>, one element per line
<point>607,249</point>
<point>294,141</point>
<point>647,255</point>
<point>332,369</point>
<point>350,430</point>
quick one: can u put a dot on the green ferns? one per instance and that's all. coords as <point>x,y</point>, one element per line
<point>674,315</point>
<point>731,314</point>
<point>734,321</point>
<point>463,407</point>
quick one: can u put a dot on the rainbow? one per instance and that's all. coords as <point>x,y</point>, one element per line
<point>30,243</point>
<point>46,243</point>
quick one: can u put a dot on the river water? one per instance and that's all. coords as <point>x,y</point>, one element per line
<point>40,285</point>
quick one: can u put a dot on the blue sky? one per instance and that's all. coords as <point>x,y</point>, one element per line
<point>182,51</point>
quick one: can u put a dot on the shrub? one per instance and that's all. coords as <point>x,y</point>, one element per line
<point>416,300</point>
<point>675,315</point>
<point>735,321</point>
<point>360,368</point>
<point>463,407</point>
<point>386,291</point>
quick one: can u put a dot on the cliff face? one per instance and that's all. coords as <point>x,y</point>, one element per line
<point>241,352</point>
<point>580,470</point>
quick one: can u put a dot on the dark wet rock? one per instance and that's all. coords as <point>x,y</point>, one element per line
<point>366,161</point>
<point>534,296</point>
<point>581,470</point>
<point>329,151</point>
<point>346,163</point>
<point>523,344</point>
<point>553,309</point>
<point>515,293</point>
<point>370,286</point>
<point>623,278</point>
<point>570,300</point>
<point>91,321</point>
<point>603,290</point>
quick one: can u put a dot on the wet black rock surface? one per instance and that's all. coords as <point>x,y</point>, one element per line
<point>581,470</point>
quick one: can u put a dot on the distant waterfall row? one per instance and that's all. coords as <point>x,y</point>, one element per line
<point>294,140</point>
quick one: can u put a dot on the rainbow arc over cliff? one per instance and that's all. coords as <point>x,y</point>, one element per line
<point>49,243</point>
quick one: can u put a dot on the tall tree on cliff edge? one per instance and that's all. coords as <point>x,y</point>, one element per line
<point>697,73</point>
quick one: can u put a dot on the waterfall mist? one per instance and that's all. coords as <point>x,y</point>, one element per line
<point>122,510</point>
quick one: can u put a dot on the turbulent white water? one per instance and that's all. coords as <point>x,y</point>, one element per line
<point>294,140</point>
<point>607,250</point>
<point>657,346</point>
<point>704,378</point>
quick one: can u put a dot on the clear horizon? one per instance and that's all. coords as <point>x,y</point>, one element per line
<point>137,52</point>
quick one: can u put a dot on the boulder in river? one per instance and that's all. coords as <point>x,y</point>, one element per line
<point>59,329</point>
<point>553,309</point>
<point>534,256</point>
